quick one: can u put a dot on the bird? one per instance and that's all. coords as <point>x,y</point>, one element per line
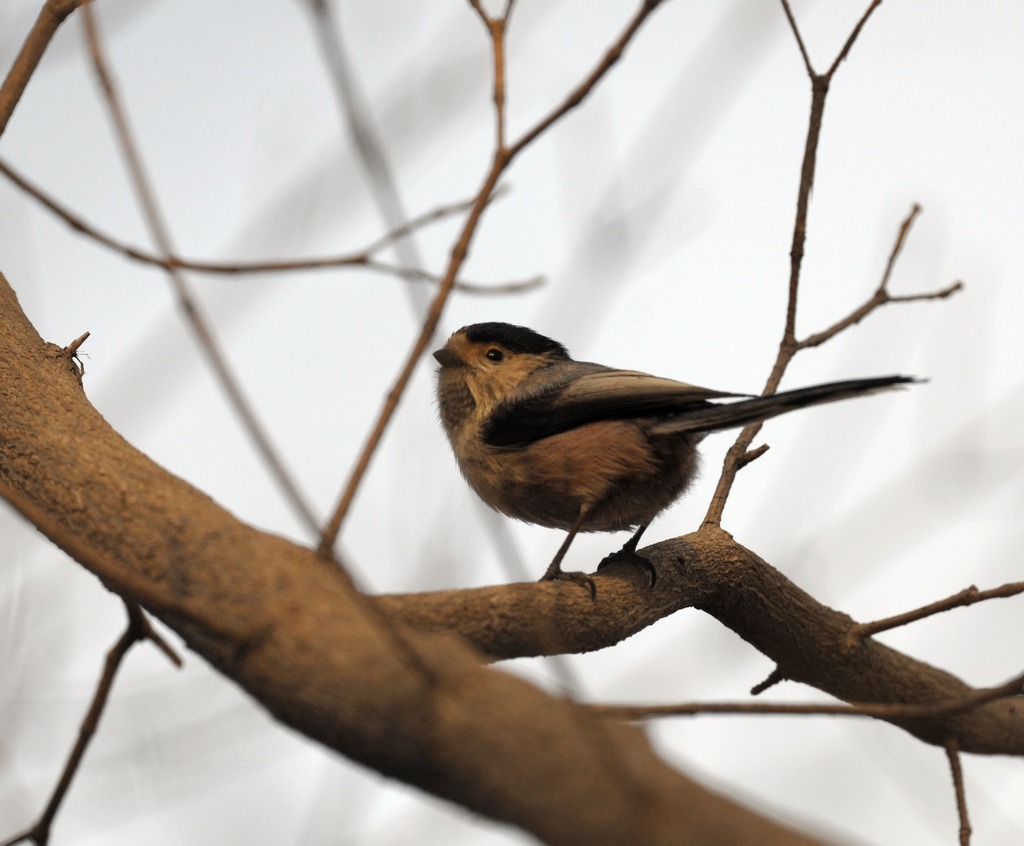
<point>583,447</point>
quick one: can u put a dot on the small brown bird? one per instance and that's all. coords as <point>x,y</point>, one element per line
<point>583,447</point>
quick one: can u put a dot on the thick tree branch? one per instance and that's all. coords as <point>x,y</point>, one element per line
<point>286,626</point>
<point>708,570</point>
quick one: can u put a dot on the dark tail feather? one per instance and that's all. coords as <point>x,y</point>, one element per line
<point>732,415</point>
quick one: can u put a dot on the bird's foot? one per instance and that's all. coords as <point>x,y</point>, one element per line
<point>558,575</point>
<point>633,558</point>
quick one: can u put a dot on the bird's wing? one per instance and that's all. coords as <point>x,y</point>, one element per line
<point>591,396</point>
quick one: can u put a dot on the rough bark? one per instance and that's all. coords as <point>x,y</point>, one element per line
<point>286,626</point>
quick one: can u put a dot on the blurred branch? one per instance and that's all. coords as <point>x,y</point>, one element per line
<point>51,16</point>
<point>367,141</point>
<point>501,159</point>
<point>208,343</point>
<point>194,317</point>
<point>362,258</point>
<point>515,286</point>
<point>889,711</point>
<point>138,628</point>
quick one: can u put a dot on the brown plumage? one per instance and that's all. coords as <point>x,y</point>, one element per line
<point>583,447</point>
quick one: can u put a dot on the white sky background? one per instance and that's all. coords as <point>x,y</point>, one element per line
<point>660,214</point>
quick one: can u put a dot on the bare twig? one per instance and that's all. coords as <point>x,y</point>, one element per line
<point>881,296</point>
<point>953,754</point>
<point>73,347</point>
<point>362,258</point>
<point>966,597</point>
<point>138,628</point>
<point>853,35</point>
<point>882,710</point>
<point>581,91</point>
<point>773,678</point>
<point>70,352</point>
<point>496,28</point>
<point>51,16</point>
<point>414,224</point>
<point>190,308</point>
<point>808,66</point>
<point>501,159</point>
<point>515,286</point>
<point>752,455</point>
<point>737,455</point>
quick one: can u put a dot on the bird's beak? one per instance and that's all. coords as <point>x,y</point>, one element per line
<point>447,358</point>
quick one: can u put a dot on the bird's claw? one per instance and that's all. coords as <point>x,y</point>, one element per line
<point>634,558</point>
<point>579,578</point>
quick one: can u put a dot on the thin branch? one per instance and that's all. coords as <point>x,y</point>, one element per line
<point>70,353</point>
<point>878,710</point>
<point>953,754</point>
<point>189,306</point>
<point>414,224</point>
<point>799,38</point>
<point>752,455</point>
<point>51,16</point>
<point>881,296</point>
<point>459,252</point>
<point>966,597</point>
<point>789,346</point>
<point>853,37</point>
<point>897,247</point>
<point>138,628</point>
<point>73,347</point>
<point>877,299</point>
<point>476,289</point>
<point>941,294</point>
<point>501,159</point>
<point>362,258</point>
<point>496,27</point>
<point>773,678</point>
<point>582,91</point>
<point>158,640</point>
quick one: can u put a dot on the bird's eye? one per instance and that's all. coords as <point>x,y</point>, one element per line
<point>494,354</point>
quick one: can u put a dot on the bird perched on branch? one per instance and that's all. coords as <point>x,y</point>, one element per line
<point>583,447</point>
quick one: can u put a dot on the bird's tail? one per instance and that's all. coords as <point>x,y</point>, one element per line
<point>732,415</point>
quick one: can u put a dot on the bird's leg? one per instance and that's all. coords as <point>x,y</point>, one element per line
<point>629,555</point>
<point>555,572</point>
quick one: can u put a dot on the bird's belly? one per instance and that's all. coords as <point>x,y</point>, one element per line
<point>612,468</point>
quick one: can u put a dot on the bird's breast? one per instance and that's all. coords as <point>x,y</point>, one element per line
<point>613,468</point>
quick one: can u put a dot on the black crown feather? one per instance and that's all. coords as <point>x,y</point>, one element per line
<point>517,339</point>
